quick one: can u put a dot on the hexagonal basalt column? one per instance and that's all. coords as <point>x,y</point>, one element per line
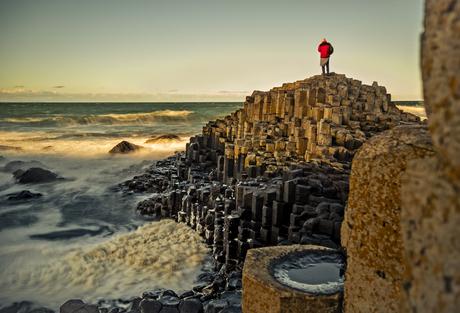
<point>293,279</point>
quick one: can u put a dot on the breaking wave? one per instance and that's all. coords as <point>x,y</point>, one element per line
<point>161,254</point>
<point>108,119</point>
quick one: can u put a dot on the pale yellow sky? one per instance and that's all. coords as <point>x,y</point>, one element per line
<point>202,50</point>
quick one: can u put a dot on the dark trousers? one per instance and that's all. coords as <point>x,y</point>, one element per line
<point>327,66</point>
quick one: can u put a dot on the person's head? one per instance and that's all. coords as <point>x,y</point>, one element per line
<point>324,40</point>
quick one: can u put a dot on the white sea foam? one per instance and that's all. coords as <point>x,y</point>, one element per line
<point>161,254</point>
<point>128,118</point>
<point>45,144</point>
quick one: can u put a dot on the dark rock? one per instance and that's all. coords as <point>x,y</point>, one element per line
<point>23,306</point>
<point>169,301</point>
<point>164,139</point>
<point>74,305</point>
<point>168,293</point>
<point>234,275</point>
<point>198,288</point>
<point>216,305</point>
<point>13,166</point>
<point>208,297</point>
<point>134,305</point>
<point>312,223</point>
<point>150,306</point>
<point>186,294</point>
<point>233,297</point>
<point>232,309</point>
<point>285,243</point>
<point>169,310</point>
<point>337,208</point>
<point>23,195</point>
<point>191,306</point>
<point>328,243</point>
<point>36,175</point>
<point>114,310</point>
<point>125,147</point>
<point>234,283</point>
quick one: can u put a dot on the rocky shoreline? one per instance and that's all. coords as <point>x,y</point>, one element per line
<point>275,172</point>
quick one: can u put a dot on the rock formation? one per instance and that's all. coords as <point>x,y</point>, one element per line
<point>275,172</point>
<point>371,233</point>
<point>164,139</point>
<point>35,175</point>
<point>125,147</point>
<point>431,187</point>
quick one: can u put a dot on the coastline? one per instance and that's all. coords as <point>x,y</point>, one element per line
<point>236,204</point>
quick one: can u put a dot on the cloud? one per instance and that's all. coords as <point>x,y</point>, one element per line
<point>27,95</point>
<point>58,87</point>
<point>234,92</point>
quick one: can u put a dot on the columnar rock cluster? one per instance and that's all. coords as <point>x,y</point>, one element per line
<point>371,233</point>
<point>323,117</point>
<point>274,172</point>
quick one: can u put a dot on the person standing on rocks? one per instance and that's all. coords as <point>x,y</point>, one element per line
<point>325,49</point>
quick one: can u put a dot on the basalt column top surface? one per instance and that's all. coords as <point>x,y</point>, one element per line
<point>292,279</point>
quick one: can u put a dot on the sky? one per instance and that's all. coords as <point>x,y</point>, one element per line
<point>200,50</point>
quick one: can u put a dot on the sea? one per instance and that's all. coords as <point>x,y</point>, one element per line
<point>82,237</point>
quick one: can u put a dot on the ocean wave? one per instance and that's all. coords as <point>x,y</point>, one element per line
<point>107,119</point>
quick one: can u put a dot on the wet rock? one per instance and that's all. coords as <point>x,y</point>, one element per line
<point>169,301</point>
<point>13,166</point>
<point>134,305</point>
<point>125,147</point>
<point>24,195</point>
<point>190,306</point>
<point>168,293</point>
<point>186,294</point>
<point>78,306</point>
<point>216,306</point>
<point>36,175</point>
<point>169,310</point>
<point>150,306</point>
<point>164,139</point>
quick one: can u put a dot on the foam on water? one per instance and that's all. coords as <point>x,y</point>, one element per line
<point>160,254</point>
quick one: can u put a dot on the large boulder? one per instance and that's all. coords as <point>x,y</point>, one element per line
<point>164,139</point>
<point>371,232</point>
<point>35,175</point>
<point>13,166</point>
<point>125,147</point>
<point>430,192</point>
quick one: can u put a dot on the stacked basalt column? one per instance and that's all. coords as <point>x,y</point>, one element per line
<point>320,118</point>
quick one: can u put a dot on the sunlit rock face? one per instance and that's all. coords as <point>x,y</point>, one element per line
<point>371,233</point>
<point>125,147</point>
<point>430,191</point>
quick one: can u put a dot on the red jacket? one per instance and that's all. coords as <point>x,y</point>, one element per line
<point>322,48</point>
